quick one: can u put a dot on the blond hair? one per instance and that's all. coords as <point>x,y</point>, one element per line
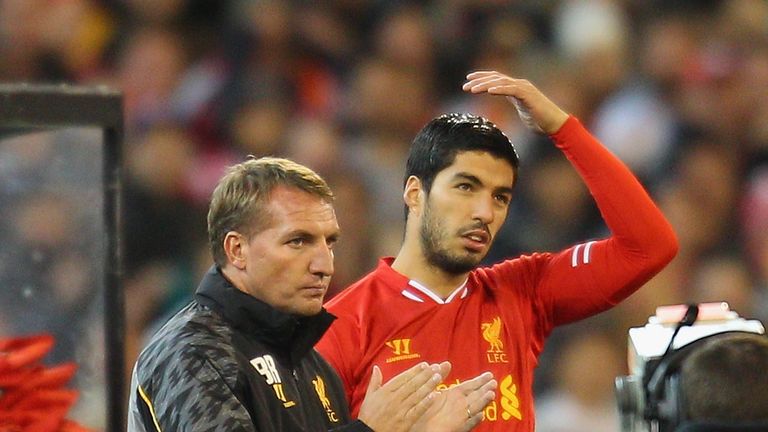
<point>237,203</point>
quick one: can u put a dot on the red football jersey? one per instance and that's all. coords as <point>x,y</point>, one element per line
<point>499,318</point>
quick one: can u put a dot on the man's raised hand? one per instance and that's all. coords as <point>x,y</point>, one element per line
<point>537,111</point>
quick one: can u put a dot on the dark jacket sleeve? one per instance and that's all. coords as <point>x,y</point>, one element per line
<point>189,397</point>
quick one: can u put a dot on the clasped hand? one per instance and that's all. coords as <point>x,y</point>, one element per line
<point>411,402</point>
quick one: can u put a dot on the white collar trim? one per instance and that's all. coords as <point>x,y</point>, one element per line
<point>462,291</point>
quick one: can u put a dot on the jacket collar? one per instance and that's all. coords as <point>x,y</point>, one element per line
<point>290,333</point>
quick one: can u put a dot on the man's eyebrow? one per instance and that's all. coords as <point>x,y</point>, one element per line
<point>298,233</point>
<point>467,176</point>
<point>304,234</point>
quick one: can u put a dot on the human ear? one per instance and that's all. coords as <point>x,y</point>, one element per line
<point>236,249</point>
<point>413,193</point>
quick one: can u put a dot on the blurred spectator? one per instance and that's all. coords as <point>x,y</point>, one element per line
<point>724,276</point>
<point>754,218</point>
<point>148,73</point>
<point>583,396</point>
<point>387,107</point>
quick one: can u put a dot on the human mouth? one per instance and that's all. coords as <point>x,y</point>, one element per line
<point>476,240</point>
<point>315,289</point>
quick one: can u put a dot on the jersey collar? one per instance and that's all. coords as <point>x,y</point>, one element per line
<point>413,290</point>
<point>413,286</point>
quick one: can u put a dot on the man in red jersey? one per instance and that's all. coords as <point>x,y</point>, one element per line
<point>432,302</point>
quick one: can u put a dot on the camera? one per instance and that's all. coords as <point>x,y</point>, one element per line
<point>649,397</point>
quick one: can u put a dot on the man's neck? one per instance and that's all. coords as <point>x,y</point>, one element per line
<point>234,277</point>
<point>411,263</point>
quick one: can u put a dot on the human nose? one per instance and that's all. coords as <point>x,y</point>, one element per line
<point>484,210</point>
<point>322,261</point>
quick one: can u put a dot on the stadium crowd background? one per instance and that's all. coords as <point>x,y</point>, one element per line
<point>678,89</point>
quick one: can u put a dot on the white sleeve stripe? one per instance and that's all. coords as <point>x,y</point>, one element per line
<point>575,255</point>
<point>587,250</point>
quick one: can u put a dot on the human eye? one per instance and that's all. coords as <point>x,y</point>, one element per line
<point>503,199</point>
<point>331,242</point>
<point>296,242</point>
<point>465,187</point>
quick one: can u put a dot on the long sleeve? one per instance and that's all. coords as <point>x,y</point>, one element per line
<point>593,276</point>
<point>199,400</point>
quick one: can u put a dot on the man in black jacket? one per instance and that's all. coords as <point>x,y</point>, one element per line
<point>240,356</point>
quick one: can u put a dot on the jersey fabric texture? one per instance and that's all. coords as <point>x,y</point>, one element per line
<point>229,362</point>
<point>499,319</point>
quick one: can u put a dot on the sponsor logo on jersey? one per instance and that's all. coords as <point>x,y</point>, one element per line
<point>510,404</point>
<point>401,350</point>
<point>505,407</point>
<point>265,366</point>
<point>320,390</point>
<point>492,334</point>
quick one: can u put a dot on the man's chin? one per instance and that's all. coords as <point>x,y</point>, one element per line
<point>313,309</point>
<point>307,308</point>
<point>456,265</point>
<point>472,257</point>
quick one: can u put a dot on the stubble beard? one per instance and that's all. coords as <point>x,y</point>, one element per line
<point>432,233</point>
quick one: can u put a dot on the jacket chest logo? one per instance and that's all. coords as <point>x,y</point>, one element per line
<point>401,350</point>
<point>265,366</point>
<point>491,332</point>
<point>319,385</point>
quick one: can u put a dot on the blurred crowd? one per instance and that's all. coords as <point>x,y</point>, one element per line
<point>677,89</point>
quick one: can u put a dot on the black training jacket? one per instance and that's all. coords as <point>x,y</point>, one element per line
<point>229,362</point>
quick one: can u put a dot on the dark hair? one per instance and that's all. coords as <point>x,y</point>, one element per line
<point>727,379</point>
<point>435,147</point>
<point>239,200</point>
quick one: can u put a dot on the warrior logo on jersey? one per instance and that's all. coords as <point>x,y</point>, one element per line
<point>401,348</point>
<point>492,335</point>
<point>320,390</point>
<point>265,365</point>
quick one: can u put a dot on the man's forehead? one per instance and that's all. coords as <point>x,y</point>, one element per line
<point>287,205</point>
<point>478,163</point>
<point>293,197</point>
